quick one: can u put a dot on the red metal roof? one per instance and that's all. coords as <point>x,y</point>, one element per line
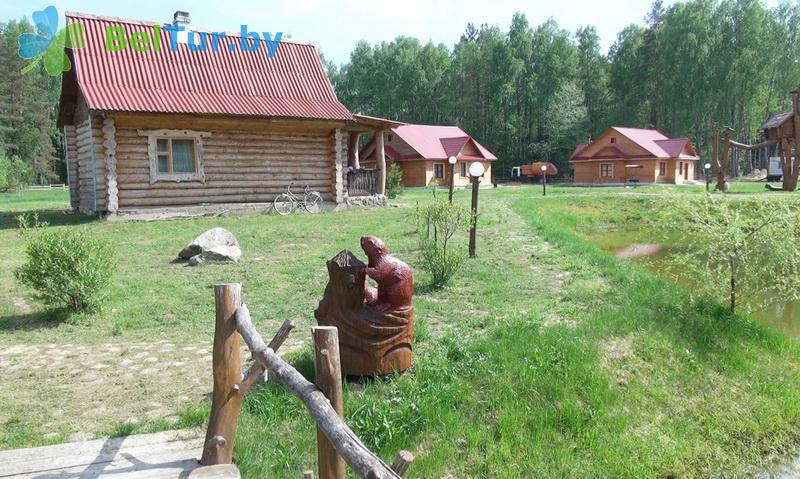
<point>453,146</point>
<point>438,142</point>
<point>292,83</point>
<point>655,142</point>
<point>579,149</point>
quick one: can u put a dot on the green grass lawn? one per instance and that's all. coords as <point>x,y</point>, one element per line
<point>544,358</point>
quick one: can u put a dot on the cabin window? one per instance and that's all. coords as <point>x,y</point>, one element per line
<point>662,168</point>
<point>390,137</point>
<point>438,171</point>
<point>463,169</point>
<point>613,139</point>
<point>175,155</point>
<point>606,170</point>
<point>680,167</point>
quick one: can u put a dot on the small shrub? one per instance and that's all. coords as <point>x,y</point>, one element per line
<point>394,181</point>
<point>442,263</point>
<point>438,222</point>
<point>67,267</point>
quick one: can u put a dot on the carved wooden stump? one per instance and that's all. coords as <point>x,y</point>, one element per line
<point>374,337</point>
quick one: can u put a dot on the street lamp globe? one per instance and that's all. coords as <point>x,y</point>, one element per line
<point>543,168</point>
<point>476,169</point>
<point>707,166</point>
<point>452,160</point>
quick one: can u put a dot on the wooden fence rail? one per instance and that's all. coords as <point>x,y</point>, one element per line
<point>336,443</point>
<point>45,187</point>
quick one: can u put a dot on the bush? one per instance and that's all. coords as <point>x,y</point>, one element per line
<point>67,267</point>
<point>394,181</point>
<point>15,173</point>
<point>438,222</point>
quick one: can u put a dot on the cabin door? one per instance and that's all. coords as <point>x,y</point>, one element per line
<point>686,172</point>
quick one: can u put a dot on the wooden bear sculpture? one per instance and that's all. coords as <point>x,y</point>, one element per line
<point>376,325</point>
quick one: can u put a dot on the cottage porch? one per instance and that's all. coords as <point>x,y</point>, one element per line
<point>360,181</point>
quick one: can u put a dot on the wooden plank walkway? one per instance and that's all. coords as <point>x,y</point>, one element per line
<point>163,455</point>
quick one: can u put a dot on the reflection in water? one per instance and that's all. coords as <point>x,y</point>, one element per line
<point>641,246</point>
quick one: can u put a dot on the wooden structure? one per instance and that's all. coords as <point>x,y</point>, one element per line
<point>620,156</point>
<point>784,130</point>
<point>166,128</point>
<point>337,444</point>
<point>422,151</point>
<point>376,327</point>
<point>163,455</point>
<point>780,130</point>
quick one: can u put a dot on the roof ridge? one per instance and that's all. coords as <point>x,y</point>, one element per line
<point>148,23</point>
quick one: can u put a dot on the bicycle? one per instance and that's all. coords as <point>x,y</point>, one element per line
<point>287,202</point>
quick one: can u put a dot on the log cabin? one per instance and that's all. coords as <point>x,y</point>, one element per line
<point>160,128</point>
<point>621,156</point>
<point>422,153</point>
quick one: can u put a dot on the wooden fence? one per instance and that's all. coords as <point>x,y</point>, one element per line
<point>362,182</point>
<point>45,187</point>
<point>336,442</point>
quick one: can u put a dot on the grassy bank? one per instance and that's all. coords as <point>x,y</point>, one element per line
<point>615,373</point>
<point>544,358</point>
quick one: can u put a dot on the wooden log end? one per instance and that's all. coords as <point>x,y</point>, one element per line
<point>402,462</point>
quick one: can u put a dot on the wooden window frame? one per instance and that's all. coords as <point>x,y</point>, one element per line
<point>662,168</point>
<point>613,139</point>
<point>164,134</point>
<point>610,170</point>
<point>435,177</point>
<point>463,170</point>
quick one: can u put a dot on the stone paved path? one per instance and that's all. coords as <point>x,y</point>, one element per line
<point>83,390</point>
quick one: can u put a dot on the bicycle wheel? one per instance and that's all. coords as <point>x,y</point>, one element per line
<point>283,204</point>
<point>312,202</point>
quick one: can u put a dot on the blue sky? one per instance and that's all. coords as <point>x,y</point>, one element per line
<point>336,26</point>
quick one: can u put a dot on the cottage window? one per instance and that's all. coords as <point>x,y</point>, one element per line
<point>606,170</point>
<point>390,137</point>
<point>175,155</point>
<point>680,167</point>
<point>613,139</point>
<point>463,169</point>
<point>438,170</point>
<point>662,168</point>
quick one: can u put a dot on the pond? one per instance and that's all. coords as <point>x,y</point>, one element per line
<point>651,251</point>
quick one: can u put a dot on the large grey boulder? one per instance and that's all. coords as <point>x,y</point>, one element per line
<point>216,245</point>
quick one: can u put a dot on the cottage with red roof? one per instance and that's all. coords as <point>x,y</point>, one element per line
<point>632,155</point>
<point>422,151</point>
<point>175,125</point>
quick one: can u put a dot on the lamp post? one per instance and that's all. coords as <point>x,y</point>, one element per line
<point>544,180</point>
<point>452,160</point>
<point>476,170</point>
<point>707,167</point>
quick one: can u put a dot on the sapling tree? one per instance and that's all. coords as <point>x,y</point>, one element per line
<point>438,222</point>
<point>742,252</point>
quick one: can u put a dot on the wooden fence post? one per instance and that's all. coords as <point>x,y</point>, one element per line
<point>228,395</point>
<point>329,381</point>
<point>402,462</point>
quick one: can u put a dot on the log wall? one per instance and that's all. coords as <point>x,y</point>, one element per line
<point>245,160</point>
<point>91,166</point>
<point>71,151</point>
